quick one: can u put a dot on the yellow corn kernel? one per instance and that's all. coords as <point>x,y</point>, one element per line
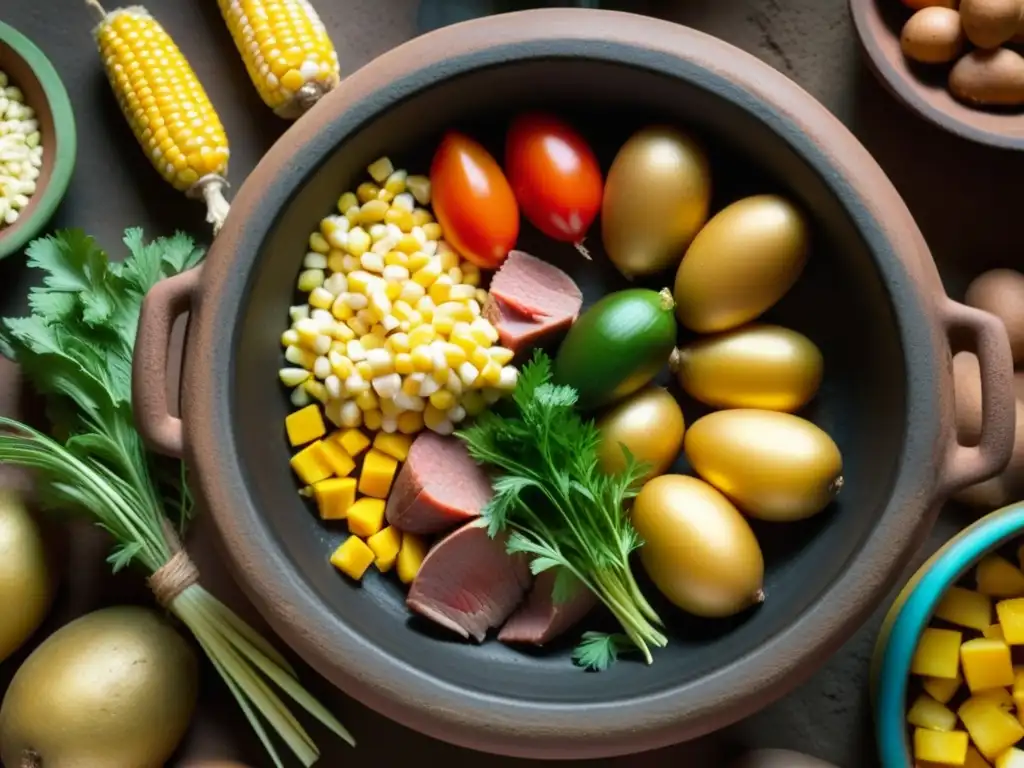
<point>442,400</point>
<point>346,201</point>
<point>941,689</point>
<point>389,409</point>
<point>364,369</point>
<point>385,544</point>
<point>341,366</point>
<point>321,298</point>
<point>358,241</point>
<point>334,496</point>
<point>310,465</point>
<point>490,374</point>
<point>410,422</point>
<point>429,273</point>
<point>380,169</point>
<point>367,401</point>
<point>441,290</point>
<point>402,310</point>
<point>377,475</point>
<point>501,355</point>
<point>316,390</point>
<point>341,310</point>
<point>992,728</point>
<point>353,558</point>
<point>454,355</point>
<point>352,214</point>
<point>396,259</point>
<point>374,340</point>
<point>392,290</point>
<point>998,577</point>
<point>470,274</point>
<point>401,219</point>
<point>403,363</point>
<point>304,425</point>
<point>417,261</point>
<point>1011,618</point>
<point>421,216</point>
<point>410,557</point>
<point>479,335</point>
<point>480,358</point>
<point>432,230</point>
<point>372,211</point>
<point>395,446</point>
<point>367,191</point>
<point>336,458</point>
<point>926,712</point>
<point>373,420</point>
<point>434,418</point>
<point>422,360</point>
<point>460,335</point>
<point>421,335</point>
<point>366,516</point>
<point>318,243</point>
<point>309,279</point>
<point>966,608</point>
<point>940,748</point>
<point>443,324</point>
<point>937,654</point>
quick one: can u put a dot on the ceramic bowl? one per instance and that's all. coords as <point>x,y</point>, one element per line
<point>909,616</point>
<point>870,298</point>
<point>923,87</point>
<point>30,70</point>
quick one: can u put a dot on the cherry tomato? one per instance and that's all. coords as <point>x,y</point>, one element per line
<point>473,201</point>
<point>554,174</point>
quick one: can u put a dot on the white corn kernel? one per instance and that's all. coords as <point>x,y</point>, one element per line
<point>387,386</point>
<point>474,307</point>
<point>420,188</point>
<point>378,231</point>
<point>355,351</point>
<point>314,260</point>
<point>430,247</point>
<point>380,169</point>
<point>396,182</point>
<point>290,338</point>
<point>454,383</point>
<point>380,361</point>
<point>380,304</point>
<point>298,356</point>
<point>395,232</point>
<point>333,384</point>
<point>389,424</point>
<point>349,263</point>
<point>298,312</point>
<point>443,427</point>
<point>468,373</point>
<point>420,235</point>
<point>322,368</point>
<point>410,402</point>
<point>428,386</point>
<point>412,292</point>
<point>299,397</point>
<point>355,384</point>
<point>321,298</point>
<point>405,201</point>
<point>351,416</point>
<point>337,284</point>
<point>321,344</point>
<point>372,261</point>
<point>323,318</point>
<point>390,323</point>
<point>310,279</point>
<point>332,410</point>
<point>395,273</point>
<point>338,240</point>
<point>356,301</point>
<point>292,377</point>
<point>509,377</point>
<point>456,414</point>
<point>462,292</point>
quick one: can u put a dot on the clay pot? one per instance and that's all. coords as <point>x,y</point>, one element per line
<point>870,299</point>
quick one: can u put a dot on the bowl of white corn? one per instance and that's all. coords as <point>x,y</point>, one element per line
<point>37,140</point>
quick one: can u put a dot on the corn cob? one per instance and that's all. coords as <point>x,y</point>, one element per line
<point>286,50</point>
<point>165,105</point>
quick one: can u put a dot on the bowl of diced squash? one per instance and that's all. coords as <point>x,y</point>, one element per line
<point>948,671</point>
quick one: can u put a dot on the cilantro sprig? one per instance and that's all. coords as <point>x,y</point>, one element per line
<point>562,510</point>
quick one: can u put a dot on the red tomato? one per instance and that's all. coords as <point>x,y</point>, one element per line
<point>473,201</point>
<point>554,174</point>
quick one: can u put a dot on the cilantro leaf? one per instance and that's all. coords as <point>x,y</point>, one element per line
<point>598,650</point>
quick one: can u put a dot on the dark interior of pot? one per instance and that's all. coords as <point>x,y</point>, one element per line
<point>840,302</point>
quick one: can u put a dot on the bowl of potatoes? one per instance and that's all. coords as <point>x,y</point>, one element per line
<point>957,63</point>
<point>947,680</point>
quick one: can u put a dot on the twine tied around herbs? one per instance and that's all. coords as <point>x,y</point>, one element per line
<point>176,575</point>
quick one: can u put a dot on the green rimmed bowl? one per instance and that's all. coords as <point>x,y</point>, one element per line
<point>30,70</point>
<point>909,616</point>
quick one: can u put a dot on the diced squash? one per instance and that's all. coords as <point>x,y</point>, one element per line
<point>986,664</point>
<point>942,689</point>
<point>334,496</point>
<point>1018,687</point>
<point>1011,619</point>
<point>353,557</point>
<point>305,425</point>
<point>994,632</point>
<point>394,445</point>
<point>366,517</point>
<point>926,712</point>
<point>966,608</point>
<point>385,545</point>
<point>941,748</point>
<point>974,759</point>
<point>1000,696</point>
<point>378,472</point>
<point>991,727</point>
<point>1011,758</point>
<point>937,654</point>
<point>352,440</point>
<point>337,458</point>
<point>309,464</point>
<point>410,557</point>
<point>998,577</point>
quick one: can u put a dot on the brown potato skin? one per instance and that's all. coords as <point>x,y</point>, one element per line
<point>933,35</point>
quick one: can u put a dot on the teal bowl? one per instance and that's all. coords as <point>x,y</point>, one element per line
<point>909,616</point>
<point>30,70</point>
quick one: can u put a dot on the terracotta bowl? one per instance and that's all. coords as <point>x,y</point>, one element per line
<point>30,70</point>
<point>870,297</point>
<point>923,87</point>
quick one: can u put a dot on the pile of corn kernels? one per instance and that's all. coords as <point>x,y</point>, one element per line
<point>392,337</point>
<point>21,154</point>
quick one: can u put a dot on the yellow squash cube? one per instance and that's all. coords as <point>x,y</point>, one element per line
<point>366,517</point>
<point>1011,619</point>
<point>352,440</point>
<point>942,689</point>
<point>410,557</point>
<point>926,712</point>
<point>334,496</point>
<point>966,608</point>
<point>937,653</point>
<point>1011,758</point>
<point>385,545</point>
<point>378,472</point>
<point>974,759</point>
<point>1018,687</point>
<point>309,464</point>
<point>994,632</point>
<point>992,729</point>
<point>353,557</point>
<point>304,425</point>
<point>394,445</point>
<point>1000,696</point>
<point>998,577</point>
<point>337,458</point>
<point>940,748</point>
<point>986,664</point>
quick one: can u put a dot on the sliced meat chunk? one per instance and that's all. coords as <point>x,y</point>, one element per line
<point>438,487</point>
<point>530,300</point>
<point>539,619</point>
<point>469,583</point>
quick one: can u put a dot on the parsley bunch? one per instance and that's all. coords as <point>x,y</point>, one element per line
<point>562,510</point>
<point>76,349</point>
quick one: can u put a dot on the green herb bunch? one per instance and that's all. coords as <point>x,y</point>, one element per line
<point>561,509</point>
<point>76,349</point>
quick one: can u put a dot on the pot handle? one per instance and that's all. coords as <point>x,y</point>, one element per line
<point>986,337</point>
<point>164,303</point>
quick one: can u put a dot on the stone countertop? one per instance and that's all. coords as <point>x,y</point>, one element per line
<point>959,192</point>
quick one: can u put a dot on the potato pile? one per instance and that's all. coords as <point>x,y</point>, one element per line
<point>1001,293</point>
<point>974,34</point>
<point>968,706</point>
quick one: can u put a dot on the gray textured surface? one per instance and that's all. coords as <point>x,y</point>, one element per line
<point>960,194</point>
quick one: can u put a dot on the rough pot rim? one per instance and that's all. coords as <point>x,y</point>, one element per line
<point>528,728</point>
